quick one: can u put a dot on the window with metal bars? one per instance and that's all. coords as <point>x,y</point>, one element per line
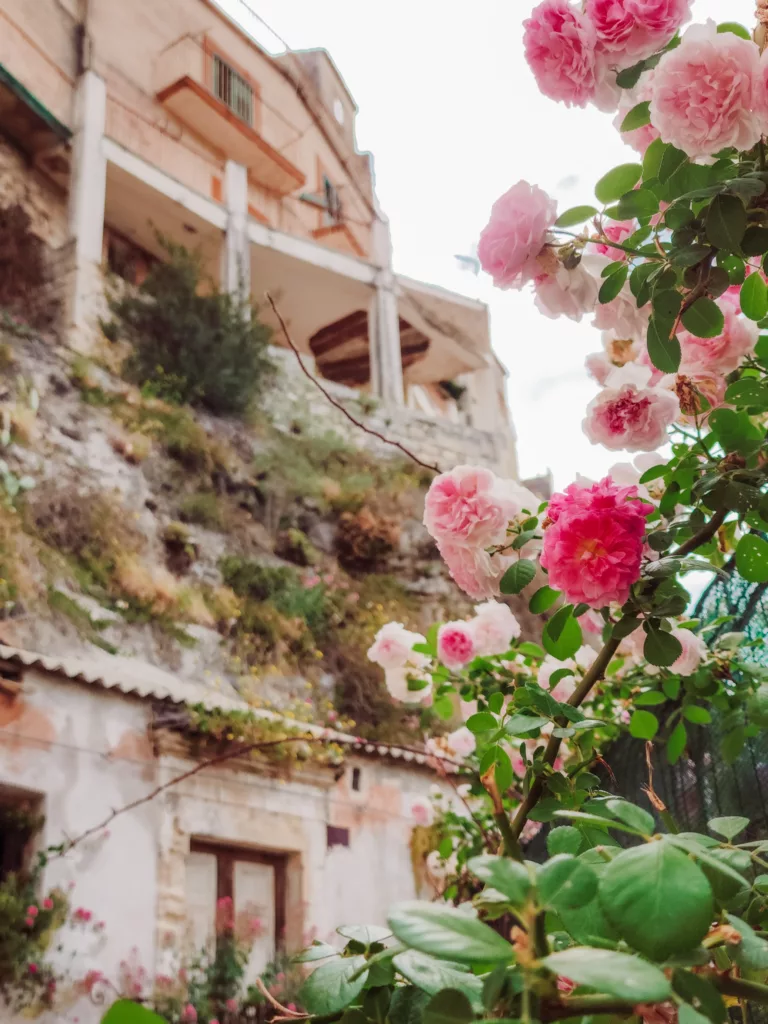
<point>233,90</point>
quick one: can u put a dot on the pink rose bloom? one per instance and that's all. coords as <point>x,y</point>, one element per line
<point>619,231</point>
<point>706,91</point>
<point>392,648</point>
<point>599,366</point>
<point>570,293</point>
<point>32,968</point>
<point>724,353</point>
<point>634,29</point>
<point>231,1005</point>
<point>456,644</point>
<point>516,233</point>
<point>422,812</point>
<point>467,709</point>
<point>623,317</point>
<point>593,548</point>
<point>473,569</point>
<point>29,922</point>
<point>627,415</point>
<point>47,904</point>
<point>461,742</point>
<point>564,686</point>
<point>189,1013</point>
<point>32,911</point>
<point>396,681</point>
<point>494,627</point>
<point>470,506</point>
<point>694,652</point>
<point>559,46</point>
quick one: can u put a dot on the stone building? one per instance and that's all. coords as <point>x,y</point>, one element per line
<point>144,118</point>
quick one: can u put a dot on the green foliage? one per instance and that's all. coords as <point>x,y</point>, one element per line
<point>202,508</point>
<point>192,342</point>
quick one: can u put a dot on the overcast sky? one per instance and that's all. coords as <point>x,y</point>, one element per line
<point>453,117</point>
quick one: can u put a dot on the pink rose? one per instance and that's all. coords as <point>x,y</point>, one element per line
<point>494,627</point>
<point>627,415</point>
<point>559,46</point>
<point>599,366</point>
<point>462,742</point>
<point>623,317</point>
<point>189,1014</point>
<point>634,29</point>
<point>474,570</point>
<point>694,651</point>
<point>470,506</point>
<point>456,644</point>
<point>516,233</point>
<point>32,968</point>
<point>231,1005</point>
<point>47,904</point>
<point>396,681</point>
<point>724,353</point>
<point>706,91</point>
<point>570,293</point>
<point>422,812</point>
<point>593,548</point>
<point>562,689</point>
<point>32,911</point>
<point>393,648</point>
<point>618,231</point>
<point>29,922</point>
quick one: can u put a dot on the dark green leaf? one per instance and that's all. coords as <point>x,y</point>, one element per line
<point>701,993</point>
<point>691,255</point>
<point>732,744</point>
<point>446,932</point>
<point>676,743</point>
<point>509,876</point>
<point>330,988</point>
<point>729,827</point>
<point>726,224</point>
<point>433,975</point>
<point>735,431</point>
<point>639,203</point>
<point>663,350</point>
<point>614,974</point>
<point>672,160</point>
<point>518,576</point>
<point>704,319</point>
<point>616,182</point>
<point>632,815</point>
<point>519,725</point>
<point>612,285</point>
<point>752,952</point>
<point>678,215</point>
<point>407,1003</point>
<point>755,241</point>
<point>643,725</point>
<point>576,215</point>
<point>658,899</point>
<point>448,1007</point>
<point>569,635</point>
<point>565,883</point>
<point>697,715</point>
<point>482,722</point>
<point>564,839</point>
<point>661,648</point>
<point>666,304</point>
<point>754,297</point>
<point>125,1011</point>
<point>543,599</point>
<point>752,558</point>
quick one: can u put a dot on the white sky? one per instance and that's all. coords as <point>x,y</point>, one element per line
<point>453,117</point>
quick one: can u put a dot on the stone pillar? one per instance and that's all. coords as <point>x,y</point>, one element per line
<point>87,193</point>
<point>384,342</point>
<point>236,261</point>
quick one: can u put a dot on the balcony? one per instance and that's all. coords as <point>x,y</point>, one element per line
<point>220,104</point>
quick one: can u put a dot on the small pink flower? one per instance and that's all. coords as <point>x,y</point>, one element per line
<point>456,644</point>
<point>627,415</point>
<point>694,652</point>
<point>422,812</point>
<point>565,985</point>
<point>231,1005</point>
<point>291,1006</point>
<point>32,968</point>
<point>189,1014</point>
<point>494,627</point>
<point>29,922</point>
<point>706,92</point>
<point>461,742</point>
<point>516,233</point>
<point>47,904</point>
<point>570,293</point>
<point>393,648</point>
<point>559,46</point>
<point>32,911</point>
<point>619,231</point>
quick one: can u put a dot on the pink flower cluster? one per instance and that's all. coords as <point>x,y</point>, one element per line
<point>594,544</point>
<point>574,54</point>
<point>468,511</point>
<point>392,649</point>
<point>490,632</point>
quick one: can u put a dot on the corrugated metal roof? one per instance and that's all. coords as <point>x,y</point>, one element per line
<point>140,679</point>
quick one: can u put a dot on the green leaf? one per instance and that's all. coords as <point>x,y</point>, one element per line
<point>638,116</point>
<point>676,743</point>
<point>666,304</point>
<point>448,1007</point>
<point>482,722</point>
<point>649,699</point>
<point>752,558</point>
<point>752,952</point>
<point>614,974</point>
<point>509,876</point>
<point>366,934</point>
<point>407,1003</point>
<point>518,576</point>
<point>569,635</point>
<point>729,827</point>
<point>543,599</point>
<point>317,951</point>
<point>435,975</point>
<point>687,1015</point>
<point>446,932</point>
<point>726,224</point>
<point>697,715</point>
<point>583,818</point>
<point>565,883</point>
<point>643,725</point>
<point>519,725</point>
<point>616,182</point>
<point>661,648</point>
<point>125,1011</point>
<point>704,319</point>
<point>576,215</point>
<point>330,988</point>
<point>672,160</point>
<point>691,843</point>
<point>658,899</point>
<point>732,744</point>
<point>564,839</point>
<point>663,347</point>
<point>755,241</point>
<point>753,297</point>
<point>735,431</point>
<point>632,815</point>
<point>613,284</point>
<point>640,203</point>
<point>733,26</point>
<point>695,989</point>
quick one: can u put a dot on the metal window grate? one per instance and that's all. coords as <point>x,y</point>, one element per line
<point>233,90</point>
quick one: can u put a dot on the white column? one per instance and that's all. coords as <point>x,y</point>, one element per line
<point>384,342</point>
<point>87,193</point>
<point>236,268</point>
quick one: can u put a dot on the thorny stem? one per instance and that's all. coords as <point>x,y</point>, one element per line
<point>740,988</point>
<point>338,405</point>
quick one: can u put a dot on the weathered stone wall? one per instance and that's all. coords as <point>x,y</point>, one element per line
<point>437,442</point>
<point>43,201</point>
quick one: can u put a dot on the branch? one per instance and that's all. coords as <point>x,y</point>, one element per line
<point>578,1006</point>
<point>740,988</point>
<point>337,405</point>
<point>706,533</point>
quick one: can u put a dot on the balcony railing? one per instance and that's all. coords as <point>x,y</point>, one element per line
<point>232,89</point>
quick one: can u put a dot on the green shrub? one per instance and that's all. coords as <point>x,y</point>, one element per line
<point>282,587</point>
<point>203,509</point>
<point>192,342</point>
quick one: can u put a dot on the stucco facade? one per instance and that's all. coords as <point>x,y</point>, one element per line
<point>147,118</point>
<point>84,749</point>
